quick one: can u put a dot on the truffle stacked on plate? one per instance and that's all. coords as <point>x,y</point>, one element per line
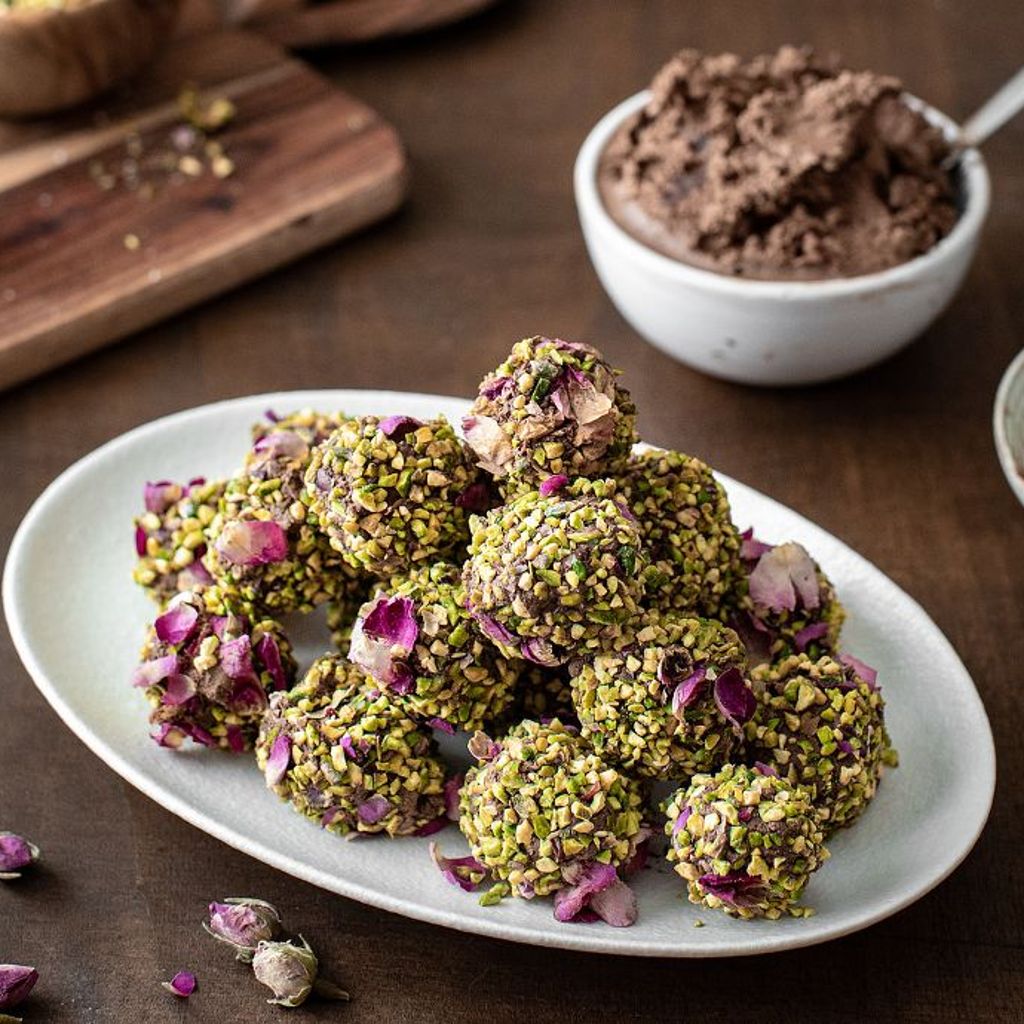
<point>585,615</point>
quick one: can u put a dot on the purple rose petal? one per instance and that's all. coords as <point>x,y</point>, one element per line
<point>751,549</point>
<point>600,890</point>
<point>432,827</point>
<point>282,444</point>
<point>16,854</point>
<point>155,670</point>
<point>737,888</point>
<point>784,577</point>
<point>861,669</point>
<point>159,496</point>
<point>272,416</point>
<point>475,498</point>
<point>374,808</point>
<point>688,689</point>
<point>194,575</point>
<point>680,823</point>
<point>540,653</point>
<point>178,689</point>
<point>384,634</point>
<point>140,541</point>
<point>553,484</point>
<point>280,758</point>
<point>253,542</point>
<point>270,656</point>
<point>482,747</point>
<point>391,426</point>
<point>807,635</point>
<point>451,797</point>
<point>183,984</point>
<point>16,982</point>
<point>733,697</point>
<point>169,735</point>
<point>494,629</point>
<point>176,624</point>
<point>494,386</point>
<point>236,739</point>
<point>765,769</point>
<point>440,723</point>
<point>355,750</point>
<point>459,871</point>
<point>236,659</point>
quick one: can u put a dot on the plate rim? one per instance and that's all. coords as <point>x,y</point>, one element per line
<point>167,798</point>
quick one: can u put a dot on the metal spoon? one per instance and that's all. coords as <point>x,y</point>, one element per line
<point>989,118</point>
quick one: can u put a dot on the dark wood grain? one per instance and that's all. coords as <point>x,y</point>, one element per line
<point>311,164</point>
<point>897,461</point>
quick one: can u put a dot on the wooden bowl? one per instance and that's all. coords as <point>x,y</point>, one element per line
<point>56,57</point>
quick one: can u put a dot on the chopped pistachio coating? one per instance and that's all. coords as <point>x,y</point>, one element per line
<point>454,673</point>
<point>553,407</point>
<point>784,604</point>
<point>209,667</point>
<point>821,725</point>
<point>348,757</point>
<point>541,803</point>
<point>170,539</point>
<point>745,841</point>
<point>550,577</point>
<point>390,494</point>
<point>686,524</point>
<point>651,708</point>
<point>303,571</point>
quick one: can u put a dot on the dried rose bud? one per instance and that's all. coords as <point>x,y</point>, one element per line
<point>15,984</point>
<point>15,853</point>
<point>182,985</point>
<point>287,970</point>
<point>243,923</point>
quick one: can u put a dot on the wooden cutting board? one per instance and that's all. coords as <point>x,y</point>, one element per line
<point>82,264</point>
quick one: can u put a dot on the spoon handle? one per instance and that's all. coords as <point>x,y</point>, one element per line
<point>994,112</point>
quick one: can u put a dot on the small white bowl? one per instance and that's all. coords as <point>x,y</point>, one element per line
<point>773,332</point>
<point>1008,425</point>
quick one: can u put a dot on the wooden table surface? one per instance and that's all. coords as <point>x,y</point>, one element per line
<point>898,462</point>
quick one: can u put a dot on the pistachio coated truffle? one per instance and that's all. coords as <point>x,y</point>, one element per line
<point>554,574</point>
<point>821,724</point>
<point>672,703</point>
<point>264,541</point>
<point>540,808</point>
<point>347,756</point>
<point>416,638</point>
<point>786,604</point>
<point>169,536</point>
<point>553,407</point>
<point>686,524</point>
<point>393,493</point>
<point>745,841</point>
<point>207,667</point>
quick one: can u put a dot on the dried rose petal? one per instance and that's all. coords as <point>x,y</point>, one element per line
<point>494,387</point>
<point>494,629</point>
<point>475,498</point>
<point>253,542</point>
<point>464,872</point>
<point>733,697</point>
<point>236,659</point>
<point>861,669</point>
<point>383,636</point>
<point>751,549</point>
<point>687,690</point>
<point>680,823</point>
<point>765,769</point>
<point>183,984</point>
<point>178,689</point>
<point>15,984</point>
<point>540,652</point>
<point>553,484</point>
<point>16,853</point>
<point>279,759</point>
<point>807,635</point>
<point>391,426</point>
<point>784,577</point>
<point>490,443</point>
<point>289,970</point>
<point>140,541</point>
<point>482,747</point>
<point>176,624</point>
<point>282,444</point>
<point>151,672</point>
<point>442,725</point>
<point>372,810</point>
<point>243,923</point>
<point>170,735</point>
<point>599,889</point>
<point>160,496</point>
<point>737,888</point>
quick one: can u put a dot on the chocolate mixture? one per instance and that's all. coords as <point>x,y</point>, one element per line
<point>781,167</point>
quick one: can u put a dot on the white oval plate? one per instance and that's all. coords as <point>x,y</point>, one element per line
<point>77,622</point>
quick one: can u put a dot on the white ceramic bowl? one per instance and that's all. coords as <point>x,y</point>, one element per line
<point>773,332</point>
<point>1008,425</point>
